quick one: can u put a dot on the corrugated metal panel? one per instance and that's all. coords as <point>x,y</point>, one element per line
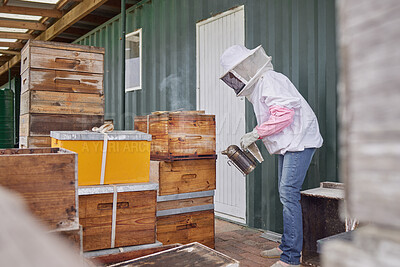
<point>300,36</point>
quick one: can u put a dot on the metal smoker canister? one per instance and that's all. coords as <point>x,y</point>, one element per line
<point>244,162</point>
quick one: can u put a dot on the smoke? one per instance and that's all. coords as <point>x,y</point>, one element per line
<point>176,92</point>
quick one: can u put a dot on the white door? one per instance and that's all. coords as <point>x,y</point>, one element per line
<point>214,35</point>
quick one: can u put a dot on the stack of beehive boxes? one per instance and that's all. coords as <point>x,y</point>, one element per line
<point>183,163</point>
<point>62,89</point>
<point>117,204</point>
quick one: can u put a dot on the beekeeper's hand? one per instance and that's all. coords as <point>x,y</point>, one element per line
<point>248,139</point>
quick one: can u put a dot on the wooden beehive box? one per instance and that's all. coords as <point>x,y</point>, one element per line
<point>61,89</point>
<point>184,176</point>
<point>186,218</point>
<point>179,135</point>
<point>47,179</point>
<point>118,216</point>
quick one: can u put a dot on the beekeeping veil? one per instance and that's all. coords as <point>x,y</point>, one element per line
<point>243,67</point>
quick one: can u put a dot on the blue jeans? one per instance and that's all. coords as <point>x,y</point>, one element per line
<point>292,169</point>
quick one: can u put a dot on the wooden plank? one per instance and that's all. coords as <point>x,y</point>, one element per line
<point>61,103</point>
<point>22,24</point>
<point>46,182</point>
<point>34,141</point>
<point>62,81</point>
<point>193,255</point>
<point>52,13</point>
<point>184,203</point>
<point>135,219</point>
<point>42,124</point>
<point>124,256</point>
<point>66,46</point>
<point>58,59</point>
<point>12,45</point>
<point>16,35</point>
<point>187,176</point>
<point>9,52</point>
<point>187,228</point>
<point>74,15</point>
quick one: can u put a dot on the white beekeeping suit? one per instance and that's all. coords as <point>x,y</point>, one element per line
<point>285,120</point>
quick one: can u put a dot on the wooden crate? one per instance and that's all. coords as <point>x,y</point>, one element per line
<point>179,135</point>
<point>184,176</point>
<point>36,124</point>
<point>186,218</point>
<point>62,56</point>
<point>61,81</point>
<point>46,179</point>
<point>134,208</point>
<point>61,103</point>
<point>61,90</point>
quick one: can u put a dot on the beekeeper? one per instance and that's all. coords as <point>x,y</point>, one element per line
<point>287,126</point>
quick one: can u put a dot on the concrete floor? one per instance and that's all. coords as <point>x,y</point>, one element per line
<point>242,243</point>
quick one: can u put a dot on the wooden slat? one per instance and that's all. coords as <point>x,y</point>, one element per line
<point>62,81</point>
<point>42,124</point>
<point>16,35</point>
<point>52,13</point>
<point>184,203</point>
<point>34,141</point>
<point>22,25</point>
<point>9,52</point>
<point>12,44</point>
<point>61,103</point>
<point>74,15</point>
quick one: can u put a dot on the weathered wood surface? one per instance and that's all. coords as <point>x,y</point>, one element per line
<point>194,255</point>
<point>64,46</point>
<point>41,124</point>
<point>135,219</point>
<point>61,59</point>
<point>369,35</point>
<point>61,103</point>
<point>61,81</point>
<point>185,176</point>
<point>184,203</point>
<point>186,228</point>
<point>179,134</point>
<point>34,141</point>
<point>45,179</point>
<point>125,256</point>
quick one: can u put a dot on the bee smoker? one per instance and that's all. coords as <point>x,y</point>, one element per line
<point>244,161</point>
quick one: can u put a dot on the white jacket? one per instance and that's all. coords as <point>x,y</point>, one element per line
<point>275,89</point>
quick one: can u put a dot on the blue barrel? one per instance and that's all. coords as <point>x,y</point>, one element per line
<point>6,118</point>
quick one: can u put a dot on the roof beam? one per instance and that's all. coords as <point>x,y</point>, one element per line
<point>74,15</point>
<point>16,35</point>
<point>11,44</point>
<point>22,24</point>
<point>51,13</point>
<point>9,52</point>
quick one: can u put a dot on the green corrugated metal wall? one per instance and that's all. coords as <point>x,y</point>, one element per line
<point>299,35</point>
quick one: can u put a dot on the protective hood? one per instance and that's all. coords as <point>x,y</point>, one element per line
<point>243,67</point>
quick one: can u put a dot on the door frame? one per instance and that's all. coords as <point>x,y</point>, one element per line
<point>198,25</point>
<point>201,23</point>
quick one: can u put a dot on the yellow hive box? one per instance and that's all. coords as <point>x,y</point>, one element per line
<point>126,155</point>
